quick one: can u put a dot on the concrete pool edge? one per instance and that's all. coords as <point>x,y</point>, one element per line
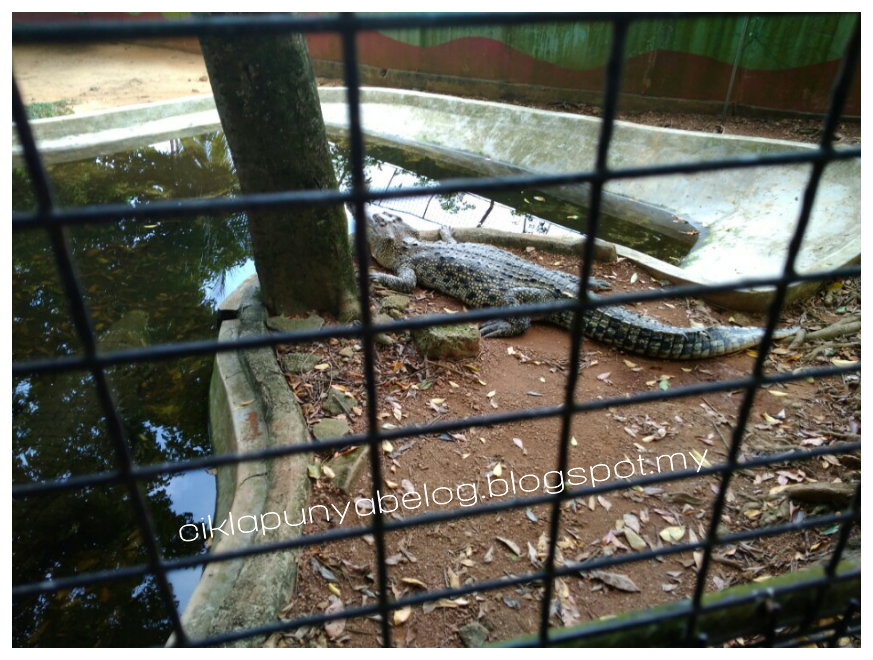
<point>741,234</point>
<point>250,408</point>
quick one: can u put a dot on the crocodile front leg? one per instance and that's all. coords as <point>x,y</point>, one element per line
<point>404,281</point>
<point>446,235</point>
<point>515,325</point>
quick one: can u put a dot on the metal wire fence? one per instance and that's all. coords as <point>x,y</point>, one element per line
<point>50,217</point>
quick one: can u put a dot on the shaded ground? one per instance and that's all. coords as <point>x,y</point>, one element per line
<point>529,371</point>
<point>96,76</point>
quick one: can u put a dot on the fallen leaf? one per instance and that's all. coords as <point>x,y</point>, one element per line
<point>334,628</point>
<point>634,540</point>
<point>700,459</point>
<point>616,581</point>
<point>509,543</point>
<point>414,582</point>
<point>673,533</point>
<point>401,616</point>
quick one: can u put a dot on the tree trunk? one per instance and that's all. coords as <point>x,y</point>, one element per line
<point>267,100</point>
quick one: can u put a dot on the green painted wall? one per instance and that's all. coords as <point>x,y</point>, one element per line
<point>772,42</point>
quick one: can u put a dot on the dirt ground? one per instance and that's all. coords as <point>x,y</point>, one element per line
<point>529,371</point>
<point>97,76</point>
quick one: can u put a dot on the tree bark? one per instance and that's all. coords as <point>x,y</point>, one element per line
<point>267,99</point>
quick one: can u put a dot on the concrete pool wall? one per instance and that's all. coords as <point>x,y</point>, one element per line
<point>745,217</point>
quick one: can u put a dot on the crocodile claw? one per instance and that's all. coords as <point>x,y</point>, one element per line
<point>599,285</point>
<point>496,328</point>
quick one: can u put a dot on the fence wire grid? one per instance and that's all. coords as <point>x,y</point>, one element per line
<point>50,217</point>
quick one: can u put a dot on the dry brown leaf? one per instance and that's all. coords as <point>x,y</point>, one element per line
<point>401,616</point>
<point>616,581</point>
<point>509,543</point>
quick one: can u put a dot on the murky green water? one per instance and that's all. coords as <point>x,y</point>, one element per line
<point>154,282</point>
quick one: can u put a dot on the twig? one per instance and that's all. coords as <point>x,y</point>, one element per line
<point>718,430</point>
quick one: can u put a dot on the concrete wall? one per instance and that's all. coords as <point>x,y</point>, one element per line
<point>788,63</point>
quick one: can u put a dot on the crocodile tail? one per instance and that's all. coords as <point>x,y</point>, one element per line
<point>642,335</point>
<point>724,340</point>
<point>669,342</point>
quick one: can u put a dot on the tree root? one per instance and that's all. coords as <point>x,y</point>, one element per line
<point>834,495</point>
<point>839,329</point>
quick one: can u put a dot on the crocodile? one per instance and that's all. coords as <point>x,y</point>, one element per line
<point>485,276</point>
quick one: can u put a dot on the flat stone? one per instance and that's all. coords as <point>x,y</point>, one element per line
<point>347,352</point>
<point>346,467</point>
<point>284,324</point>
<point>452,341</point>
<point>338,402</point>
<point>330,428</point>
<point>473,635</point>
<point>299,363</point>
<point>395,301</point>
<point>382,338</point>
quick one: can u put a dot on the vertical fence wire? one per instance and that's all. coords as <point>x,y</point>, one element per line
<point>359,188</point>
<point>613,85</point>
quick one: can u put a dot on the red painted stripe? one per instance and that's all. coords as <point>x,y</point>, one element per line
<point>664,74</point>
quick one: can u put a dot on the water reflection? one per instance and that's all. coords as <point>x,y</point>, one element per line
<point>145,282</point>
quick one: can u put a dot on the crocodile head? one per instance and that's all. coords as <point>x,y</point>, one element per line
<point>387,235</point>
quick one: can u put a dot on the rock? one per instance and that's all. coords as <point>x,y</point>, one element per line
<point>284,324</point>
<point>382,338</point>
<point>347,352</point>
<point>395,314</point>
<point>338,402</point>
<point>330,428</point>
<point>299,363</point>
<point>395,302</point>
<point>473,635</point>
<point>347,467</point>
<point>453,341</point>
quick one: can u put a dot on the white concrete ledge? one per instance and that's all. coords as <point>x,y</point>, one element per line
<point>746,217</point>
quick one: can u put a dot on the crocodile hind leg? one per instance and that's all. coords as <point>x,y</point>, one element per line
<point>514,325</point>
